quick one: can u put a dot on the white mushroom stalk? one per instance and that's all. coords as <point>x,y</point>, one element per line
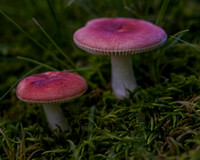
<point>55,116</point>
<point>123,78</point>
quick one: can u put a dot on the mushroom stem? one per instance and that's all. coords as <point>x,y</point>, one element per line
<point>123,78</point>
<point>55,116</point>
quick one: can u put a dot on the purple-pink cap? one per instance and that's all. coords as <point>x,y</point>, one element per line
<point>119,36</point>
<point>49,87</point>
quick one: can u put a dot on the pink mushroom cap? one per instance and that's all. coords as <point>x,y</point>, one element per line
<point>53,86</point>
<point>119,36</point>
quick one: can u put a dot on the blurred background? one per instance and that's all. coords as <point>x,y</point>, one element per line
<point>22,41</point>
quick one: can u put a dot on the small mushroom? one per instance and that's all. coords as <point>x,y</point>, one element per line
<point>120,38</point>
<point>51,89</point>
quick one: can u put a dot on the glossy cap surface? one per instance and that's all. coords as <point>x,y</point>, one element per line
<point>119,36</point>
<point>50,87</point>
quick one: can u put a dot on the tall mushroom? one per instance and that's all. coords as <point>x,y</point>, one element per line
<point>120,38</point>
<point>50,89</point>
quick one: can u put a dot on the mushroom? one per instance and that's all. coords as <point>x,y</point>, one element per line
<point>50,89</point>
<point>120,38</point>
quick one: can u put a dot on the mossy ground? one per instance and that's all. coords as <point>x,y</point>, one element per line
<point>160,120</point>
